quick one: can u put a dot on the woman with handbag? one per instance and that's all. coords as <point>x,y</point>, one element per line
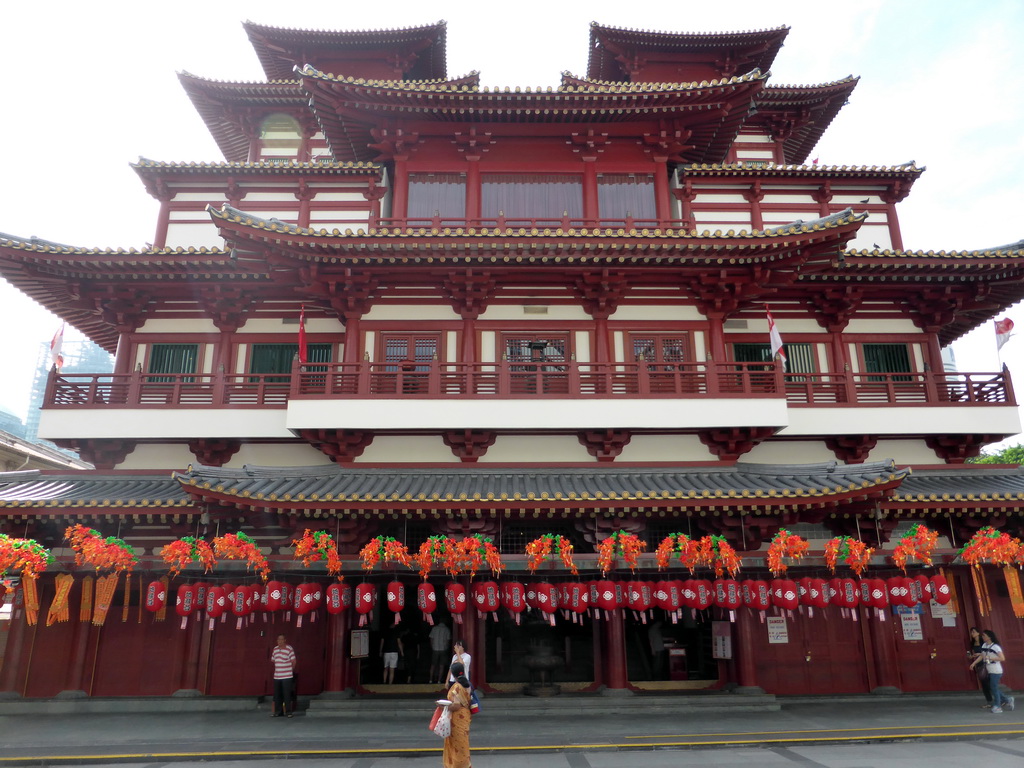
<point>456,746</point>
<point>992,657</point>
<point>981,670</point>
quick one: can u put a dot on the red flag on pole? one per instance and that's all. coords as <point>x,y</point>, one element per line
<point>56,343</point>
<point>1004,329</point>
<point>302,335</point>
<point>775,339</point>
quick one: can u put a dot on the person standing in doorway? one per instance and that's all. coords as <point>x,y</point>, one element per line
<point>283,660</point>
<point>440,637</point>
<point>460,657</point>
<point>390,649</point>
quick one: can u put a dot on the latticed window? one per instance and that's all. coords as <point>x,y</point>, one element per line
<point>799,356</point>
<point>277,358</point>
<point>536,348</point>
<point>443,194</point>
<point>626,194</point>
<point>886,358</point>
<point>531,195</point>
<point>173,358</point>
<point>398,348</point>
<point>656,348</point>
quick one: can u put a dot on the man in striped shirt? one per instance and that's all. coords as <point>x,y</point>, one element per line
<point>283,660</point>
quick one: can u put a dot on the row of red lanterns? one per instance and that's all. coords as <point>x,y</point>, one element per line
<point>573,599</point>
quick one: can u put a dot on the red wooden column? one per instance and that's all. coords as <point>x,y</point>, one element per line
<point>351,352</point>
<point>337,677</point>
<point>75,679</point>
<point>616,677</point>
<point>15,668</point>
<point>597,633</point>
<point>190,658</point>
<point>895,236</point>
<point>746,648</point>
<point>880,633</point>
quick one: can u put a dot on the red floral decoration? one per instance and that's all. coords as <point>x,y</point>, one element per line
<point>715,552</point>
<point>853,552</point>
<point>103,554</point>
<point>239,546</point>
<point>384,549</point>
<point>185,551</point>
<point>538,550</point>
<point>438,549</point>
<point>991,545</point>
<point>673,543</point>
<point>477,550</point>
<point>919,543</point>
<point>25,555</point>
<point>784,544</point>
<point>622,544</point>
<point>319,547</point>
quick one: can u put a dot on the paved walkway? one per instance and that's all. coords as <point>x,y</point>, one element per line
<point>399,731</point>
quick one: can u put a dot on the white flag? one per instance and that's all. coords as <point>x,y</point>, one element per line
<point>775,339</point>
<point>1004,329</point>
<point>55,348</point>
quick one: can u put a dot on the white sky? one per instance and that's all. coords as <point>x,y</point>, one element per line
<point>89,87</point>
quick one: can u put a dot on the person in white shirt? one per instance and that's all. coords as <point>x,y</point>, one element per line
<point>460,655</point>
<point>992,657</point>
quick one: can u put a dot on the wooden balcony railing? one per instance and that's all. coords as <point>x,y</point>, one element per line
<point>500,380</point>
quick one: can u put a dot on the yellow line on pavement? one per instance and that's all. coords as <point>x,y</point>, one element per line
<point>814,730</point>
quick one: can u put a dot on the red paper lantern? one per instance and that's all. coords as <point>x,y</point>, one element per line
<point>305,598</point>
<point>366,600</point>
<point>921,588</point>
<point>543,597</point>
<point>785,594</point>
<point>455,598</point>
<point>426,601</point>
<point>578,599</point>
<point>216,602</point>
<point>156,596</point>
<point>756,594</point>
<point>605,595</point>
<point>620,594</point>
<point>728,594</point>
<point>666,596</point>
<point>878,595</point>
<point>639,598</point>
<point>513,598</point>
<point>940,589</point>
<point>240,600</point>
<point>338,598</point>
<point>898,588</point>
<point>187,600</point>
<point>817,593</point>
<point>396,599</point>
<point>201,589</point>
<point>688,592</point>
<point>844,593</point>
<point>705,594</point>
<point>275,596</point>
<point>486,597</point>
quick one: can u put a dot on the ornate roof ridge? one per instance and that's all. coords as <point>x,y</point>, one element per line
<point>840,218</point>
<point>327,164</point>
<point>1012,249</point>
<point>652,85</point>
<point>910,167</point>
<point>604,87</point>
<point>37,245</point>
<point>437,25</point>
<point>831,84</point>
<point>765,30</point>
<point>186,75</point>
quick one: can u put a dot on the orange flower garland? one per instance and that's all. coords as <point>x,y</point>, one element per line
<point>239,546</point>
<point>621,543</point>
<point>715,552</point>
<point>317,547</point>
<point>538,550</point>
<point>25,555</point>
<point>384,549</point>
<point>476,550</point>
<point>185,551</point>
<point>919,543</point>
<point>853,552</point>
<point>676,542</point>
<point>91,548</point>
<point>438,549</point>
<point>989,544</point>
<point>785,544</point>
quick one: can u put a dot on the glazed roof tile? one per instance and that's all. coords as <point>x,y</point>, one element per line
<point>803,111</point>
<point>151,170</point>
<point>82,490</point>
<point>753,483</point>
<point>975,484</point>
<point>903,170</point>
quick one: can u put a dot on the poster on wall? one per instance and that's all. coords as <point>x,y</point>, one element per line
<point>778,631</point>
<point>721,639</point>
<point>360,643</point>
<point>912,629</point>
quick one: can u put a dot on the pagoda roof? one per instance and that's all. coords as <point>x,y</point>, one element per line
<point>219,104</point>
<point>71,493</point>
<point>152,171</point>
<point>799,114</point>
<point>742,485</point>
<point>744,50</point>
<point>544,245</point>
<point>349,108</point>
<point>906,171</point>
<point>963,487</point>
<point>281,49</point>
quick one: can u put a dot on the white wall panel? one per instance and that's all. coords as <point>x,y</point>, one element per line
<point>665,448</point>
<point>196,235</point>
<point>406,449</point>
<point>157,423</point>
<point>537,449</point>
<point>903,420</point>
<point>162,457</point>
<point>278,455</point>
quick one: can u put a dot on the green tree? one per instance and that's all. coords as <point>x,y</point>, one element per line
<point>1012,455</point>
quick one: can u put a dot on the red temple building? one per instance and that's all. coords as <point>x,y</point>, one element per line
<point>521,312</point>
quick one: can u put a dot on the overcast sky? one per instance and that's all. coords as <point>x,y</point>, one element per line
<point>90,87</point>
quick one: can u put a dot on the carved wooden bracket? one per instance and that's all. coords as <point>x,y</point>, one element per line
<point>730,443</point>
<point>931,310</point>
<point>227,306</point>
<point>469,292</point>
<point>214,452</point>
<point>852,449</point>
<point>668,144</point>
<point>349,295</point>
<point>122,308</point>
<point>833,307</point>
<point>392,143</point>
<point>604,444</point>
<point>955,449</point>
<point>339,445</point>
<point>103,453</point>
<point>589,144</point>
<point>719,296</point>
<point>601,292</point>
<point>469,444</point>
<point>473,143</point>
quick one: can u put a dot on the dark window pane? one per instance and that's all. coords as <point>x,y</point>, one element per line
<point>799,356</point>
<point>173,358</point>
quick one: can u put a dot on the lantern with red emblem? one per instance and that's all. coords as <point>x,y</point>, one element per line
<point>704,594</point>
<point>156,596</point>
<point>921,588</point>
<point>845,594</point>
<point>455,599</point>
<point>513,598</point>
<point>240,601</point>
<point>756,594</point>
<point>877,595</point>
<point>338,597</point>
<point>426,601</point>
<point>785,594</point>
<point>186,602</point>
<point>486,598</point>
<point>396,599</point>
<point>688,593</point>
<point>817,594</point>
<point>728,595</point>
<point>201,589</point>
<point>543,597</point>
<point>668,597</point>
<point>898,588</point>
<point>639,598</point>
<point>275,596</point>
<point>577,601</point>
<point>605,596</point>
<point>940,589</point>
<point>366,600</point>
<point>216,603</point>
